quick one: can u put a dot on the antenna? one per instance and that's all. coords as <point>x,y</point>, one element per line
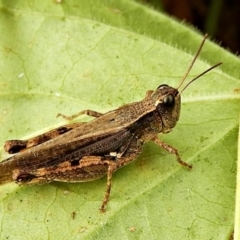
<point>201,74</point>
<point>191,65</point>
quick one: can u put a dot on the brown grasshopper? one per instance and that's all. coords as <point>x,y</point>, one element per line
<point>87,151</point>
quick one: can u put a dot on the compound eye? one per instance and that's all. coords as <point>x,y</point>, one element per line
<point>162,86</point>
<point>169,100</point>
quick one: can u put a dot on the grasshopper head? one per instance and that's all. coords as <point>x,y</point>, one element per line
<point>167,102</point>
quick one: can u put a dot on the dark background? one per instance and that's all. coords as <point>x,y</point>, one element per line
<point>218,18</point>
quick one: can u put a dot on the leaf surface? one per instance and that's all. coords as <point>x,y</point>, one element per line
<point>75,55</point>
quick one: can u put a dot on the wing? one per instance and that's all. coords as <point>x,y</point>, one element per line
<point>100,136</point>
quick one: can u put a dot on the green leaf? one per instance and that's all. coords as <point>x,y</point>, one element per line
<point>237,207</point>
<point>74,55</point>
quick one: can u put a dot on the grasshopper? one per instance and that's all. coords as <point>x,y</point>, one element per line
<point>86,151</point>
